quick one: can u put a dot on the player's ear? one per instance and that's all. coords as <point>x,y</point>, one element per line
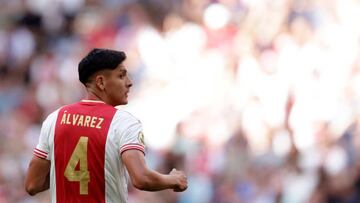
<point>100,81</point>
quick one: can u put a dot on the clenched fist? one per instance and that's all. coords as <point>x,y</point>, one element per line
<point>180,179</point>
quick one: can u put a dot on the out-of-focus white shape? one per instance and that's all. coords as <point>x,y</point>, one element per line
<point>281,143</point>
<point>180,78</point>
<point>335,161</point>
<point>253,3</point>
<point>254,127</point>
<point>156,113</point>
<point>53,19</point>
<point>47,95</point>
<point>288,55</point>
<point>298,187</point>
<point>310,159</point>
<point>218,133</point>
<point>310,87</point>
<point>345,115</point>
<point>185,45</point>
<point>69,78</point>
<point>22,45</point>
<point>210,89</point>
<point>154,53</point>
<point>271,90</point>
<point>303,138</point>
<point>67,73</point>
<point>356,89</point>
<point>348,14</point>
<point>87,22</point>
<point>216,16</point>
<point>246,80</point>
<point>72,6</point>
<point>158,105</point>
<point>42,68</point>
<point>337,61</point>
<point>39,6</point>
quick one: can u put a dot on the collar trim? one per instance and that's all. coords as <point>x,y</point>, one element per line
<point>94,101</point>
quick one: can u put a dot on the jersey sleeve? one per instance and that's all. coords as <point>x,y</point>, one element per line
<point>132,137</point>
<point>42,149</point>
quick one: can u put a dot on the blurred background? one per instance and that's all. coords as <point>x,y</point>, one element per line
<point>257,100</point>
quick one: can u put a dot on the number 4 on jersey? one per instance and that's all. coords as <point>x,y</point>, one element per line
<point>79,155</point>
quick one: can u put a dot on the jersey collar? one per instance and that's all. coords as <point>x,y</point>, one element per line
<point>94,101</point>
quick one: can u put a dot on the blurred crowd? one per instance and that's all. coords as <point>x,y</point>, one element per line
<point>257,100</point>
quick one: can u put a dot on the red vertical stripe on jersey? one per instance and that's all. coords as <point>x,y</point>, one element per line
<point>69,129</point>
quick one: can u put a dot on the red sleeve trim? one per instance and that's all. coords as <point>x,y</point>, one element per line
<point>40,153</point>
<point>132,146</point>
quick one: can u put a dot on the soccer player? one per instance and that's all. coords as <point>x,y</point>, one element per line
<point>86,149</point>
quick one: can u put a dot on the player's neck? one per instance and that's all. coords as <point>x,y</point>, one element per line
<point>92,96</point>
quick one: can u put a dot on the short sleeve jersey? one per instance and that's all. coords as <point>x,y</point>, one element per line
<point>84,142</point>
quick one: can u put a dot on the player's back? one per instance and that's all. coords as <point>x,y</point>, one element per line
<point>84,142</point>
<point>84,159</point>
<point>79,151</point>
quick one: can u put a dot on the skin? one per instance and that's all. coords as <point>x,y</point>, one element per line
<point>111,87</point>
<point>37,178</point>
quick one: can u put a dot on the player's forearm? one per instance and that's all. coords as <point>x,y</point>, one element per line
<point>154,181</point>
<point>144,178</point>
<point>46,184</point>
<point>38,176</point>
<point>37,185</point>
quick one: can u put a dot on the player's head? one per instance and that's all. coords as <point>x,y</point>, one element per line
<point>103,73</point>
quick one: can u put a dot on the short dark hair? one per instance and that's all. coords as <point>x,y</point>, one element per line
<point>99,59</point>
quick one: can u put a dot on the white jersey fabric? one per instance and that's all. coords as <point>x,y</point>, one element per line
<point>123,134</point>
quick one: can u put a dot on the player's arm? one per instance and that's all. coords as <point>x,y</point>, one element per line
<point>144,178</point>
<point>38,176</point>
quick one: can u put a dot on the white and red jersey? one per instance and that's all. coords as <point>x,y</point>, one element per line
<point>84,142</point>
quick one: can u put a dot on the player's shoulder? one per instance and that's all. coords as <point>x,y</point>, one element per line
<point>122,115</point>
<point>53,115</point>
<point>51,118</point>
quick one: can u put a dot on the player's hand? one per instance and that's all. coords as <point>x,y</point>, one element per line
<point>181,180</point>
